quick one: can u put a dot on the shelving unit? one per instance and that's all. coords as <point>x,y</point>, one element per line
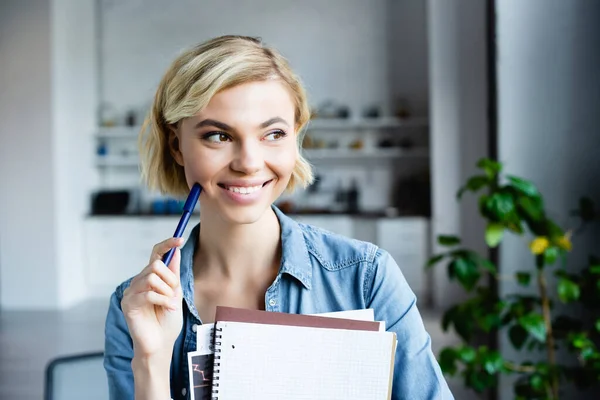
<point>116,161</point>
<point>320,124</point>
<point>366,128</point>
<point>118,132</point>
<point>323,124</point>
<point>376,153</point>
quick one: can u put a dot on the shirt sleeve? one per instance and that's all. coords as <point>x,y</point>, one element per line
<point>118,353</point>
<point>417,374</point>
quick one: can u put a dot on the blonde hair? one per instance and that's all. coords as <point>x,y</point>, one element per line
<point>188,86</point>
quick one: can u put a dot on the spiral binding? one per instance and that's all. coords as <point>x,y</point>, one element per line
<point>218,336</point>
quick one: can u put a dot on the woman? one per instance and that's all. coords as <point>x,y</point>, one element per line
<point>228,115</point>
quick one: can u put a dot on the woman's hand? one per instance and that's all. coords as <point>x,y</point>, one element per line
<point>152,306</point>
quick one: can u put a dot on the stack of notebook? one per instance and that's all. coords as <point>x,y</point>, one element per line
<point>265,355</point>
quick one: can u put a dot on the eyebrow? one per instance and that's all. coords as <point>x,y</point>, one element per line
<point>225,127</point>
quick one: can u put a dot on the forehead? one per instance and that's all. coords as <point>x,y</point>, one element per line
<point>251,102</point>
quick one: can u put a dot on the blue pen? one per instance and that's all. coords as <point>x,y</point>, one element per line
<point>188,207</point>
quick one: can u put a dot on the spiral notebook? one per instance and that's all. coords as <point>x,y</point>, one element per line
<point>298,357</point>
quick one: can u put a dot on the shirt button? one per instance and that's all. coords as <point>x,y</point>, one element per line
<point>272,302</point>
<point>184,391</point>
<point>194,329</point>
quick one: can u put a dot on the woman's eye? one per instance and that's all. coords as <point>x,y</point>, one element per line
<point>216,137</point>
<point>275,135</point>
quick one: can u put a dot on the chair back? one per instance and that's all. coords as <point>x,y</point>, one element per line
<point>76,377</point>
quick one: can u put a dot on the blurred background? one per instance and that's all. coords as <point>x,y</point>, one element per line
<point>407,96</point>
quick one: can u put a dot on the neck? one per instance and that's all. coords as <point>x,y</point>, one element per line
<point>238,252</point>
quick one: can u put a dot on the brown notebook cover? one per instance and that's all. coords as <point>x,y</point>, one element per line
<point>231,314</point>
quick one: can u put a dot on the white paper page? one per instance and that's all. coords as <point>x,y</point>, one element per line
<point>204,338</point>
<point>360,315</point>
<point>273,362</point>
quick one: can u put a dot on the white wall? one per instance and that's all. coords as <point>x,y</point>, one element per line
<point>549,124</point>
<point>458,135</point>
<point>27,197</point>
<point>47,109</point>
<point>339,47</point>
<point>74,98</point>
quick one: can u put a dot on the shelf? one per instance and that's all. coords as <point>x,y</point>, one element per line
<point>311,154</point>
<point>114,161</point>
<point>385,153</point>
<point>324,124</point>
<point>366,123</point>
<point>122,132</point>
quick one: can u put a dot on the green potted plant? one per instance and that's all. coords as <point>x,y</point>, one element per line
<point>533,322</point>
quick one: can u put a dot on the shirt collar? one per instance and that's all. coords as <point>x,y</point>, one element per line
<point>295,260</point>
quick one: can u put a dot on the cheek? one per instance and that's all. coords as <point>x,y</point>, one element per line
<point>199,167</point>
<point>283,160</point>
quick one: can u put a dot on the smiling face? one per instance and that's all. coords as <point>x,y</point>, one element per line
<point>241,148</point>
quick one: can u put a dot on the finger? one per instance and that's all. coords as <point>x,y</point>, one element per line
<point>139,300</point>
<point>156,284</point>
<point>175,264</point>
<point>160,249</point>
<point>149,277</point>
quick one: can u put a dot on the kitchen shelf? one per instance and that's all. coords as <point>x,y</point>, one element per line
<point>122,132</point>
<point>386,153</point>
<point>311,154</point>
<point>366,123</point>
<point>116,161</point>
<point>319,124</point>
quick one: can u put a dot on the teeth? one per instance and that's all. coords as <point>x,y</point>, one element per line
<point>244,190</point>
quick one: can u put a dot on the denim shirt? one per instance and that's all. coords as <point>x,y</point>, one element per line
<point>319,272</point>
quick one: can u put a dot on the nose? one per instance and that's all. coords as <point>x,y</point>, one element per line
<point>248,158</point>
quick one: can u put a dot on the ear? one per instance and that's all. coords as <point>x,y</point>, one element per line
<point>174,145</point>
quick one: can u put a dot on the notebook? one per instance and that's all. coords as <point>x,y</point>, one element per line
<point>264,355</point>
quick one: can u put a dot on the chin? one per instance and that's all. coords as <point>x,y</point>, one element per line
<point>243,215</point>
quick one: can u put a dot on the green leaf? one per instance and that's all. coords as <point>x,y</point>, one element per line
<point>553,230</point>
<point>466,272</point>
<point>488,265</point>
<point>518,336</point>
<point>550,255</point>
<point>523,186</point>
<point>466,354</point>
<point>534,324</point>
<point>448,240</point>
<point>598,325</point>
<point>568,290</point>
<point>449,317</point>
<point>533,208</point>
<point>464,324</point>
<point>447,361</point>
<point>474,184</point>
<point>490,321</point>
<point>491,168</point>
<point>500,206</point>
<point>523,278</point>
<point>493,234</point>
<point>579,340</point>
<point>537,382</point>
<point>588,353</point>
<point>594,265</point>
<point>493,362</point>
<point>434,260</point>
